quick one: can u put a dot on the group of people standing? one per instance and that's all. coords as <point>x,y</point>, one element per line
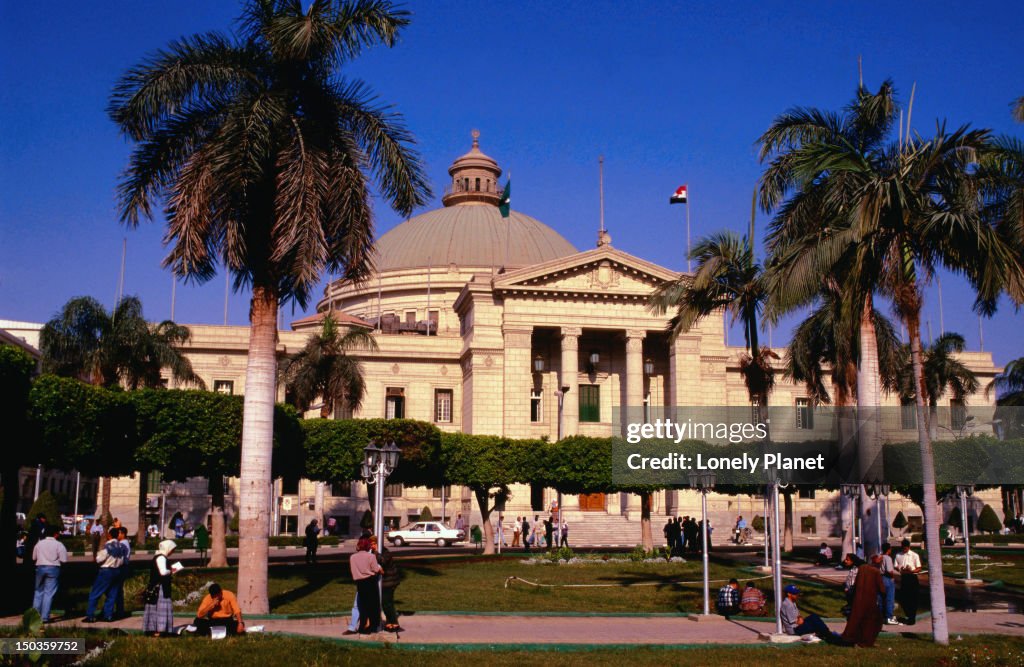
<point>546,534</point>
<point>114,568</point>
<point>683,535</point>
<point>376,576</point>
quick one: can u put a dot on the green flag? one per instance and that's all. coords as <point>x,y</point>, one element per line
<point>504,204</point>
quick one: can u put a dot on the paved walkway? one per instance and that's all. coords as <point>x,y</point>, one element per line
<point>512,630</point>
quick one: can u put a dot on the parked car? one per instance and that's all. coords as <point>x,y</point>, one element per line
<point>426,531</point>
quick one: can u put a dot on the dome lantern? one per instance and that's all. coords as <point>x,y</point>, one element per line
<point>474,178</point>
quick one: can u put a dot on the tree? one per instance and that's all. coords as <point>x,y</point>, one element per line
<point>1009,389</point>
<point>487,465</point>
<point>988,521</point>
<point>262,156</point>
<point>323,369</point>
<point>120,347</point>
<point>1018,109</point>
<point>17,369</point>
<point>900,522</point>
<point>728,277</point>
<point>884,217</point>
<point>942,372</point>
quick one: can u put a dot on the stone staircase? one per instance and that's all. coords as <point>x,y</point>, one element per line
<point>601,529</point>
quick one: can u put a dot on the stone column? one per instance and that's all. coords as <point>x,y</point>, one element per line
<point>634,398</point>
<point>684,373</point>
<point>518,380</point>
<point>570,378</point>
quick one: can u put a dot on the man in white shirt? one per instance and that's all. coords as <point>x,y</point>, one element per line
<point>908,564</point>
<point>48,555</point>
<point>110,559</point>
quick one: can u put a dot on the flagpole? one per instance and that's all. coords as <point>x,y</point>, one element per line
<point>508,230</point>
<point>981,335</point>
<point>689,262</point>
<point>429,267</point>
<point>942,319</point>
<point>600,187</point>
<point>174,287</point>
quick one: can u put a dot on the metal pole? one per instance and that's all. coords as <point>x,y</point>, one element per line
<point>39,480</point>
<point>442,496</point>
<point>878,519</point>
<point>689,262</point>
<point>78,486</point>
<point>163,508</point>
<point>967,532</point>
<point>704,537</point>
<point>777,555</point>
<point>767,529</point>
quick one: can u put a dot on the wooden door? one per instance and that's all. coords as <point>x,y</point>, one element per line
<point>592,502</point>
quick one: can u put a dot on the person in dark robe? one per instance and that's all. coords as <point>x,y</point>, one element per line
<point>865,620</point>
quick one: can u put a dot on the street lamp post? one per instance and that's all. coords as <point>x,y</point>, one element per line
<point>852,492</point>
<point>965,491</point>
<point>378,464</point>
<point>880,492</point>
<point>704,482</point>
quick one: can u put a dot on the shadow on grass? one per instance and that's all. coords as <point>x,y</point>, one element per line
<point>315,580</point>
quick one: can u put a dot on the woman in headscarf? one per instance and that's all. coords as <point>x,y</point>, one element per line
<point>365,568</point>
<point>159,614</point>
<point>865,620</point>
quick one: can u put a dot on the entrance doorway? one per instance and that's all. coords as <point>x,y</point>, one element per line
<point>592,502</point>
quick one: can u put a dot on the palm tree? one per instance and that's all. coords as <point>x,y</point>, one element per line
<point>942,372</point>
<point>882,215</point>
<point>262,156</point>
<point>117,348</point>
<point>323,369</point>
<point>728,278</point>
<point>114,348</point>
<point>1009,389</point>
<point>1018,109</point>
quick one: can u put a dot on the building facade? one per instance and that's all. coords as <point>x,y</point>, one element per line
<point>500,326</point>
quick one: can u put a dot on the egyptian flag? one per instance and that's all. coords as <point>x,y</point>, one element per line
<point>679,196</point>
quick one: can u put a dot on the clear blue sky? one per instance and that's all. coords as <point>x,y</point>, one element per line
<point>669,93</point>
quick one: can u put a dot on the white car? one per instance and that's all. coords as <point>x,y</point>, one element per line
<point>426,531</point>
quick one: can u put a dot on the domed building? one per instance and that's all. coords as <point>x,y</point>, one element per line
<point>498,325</point>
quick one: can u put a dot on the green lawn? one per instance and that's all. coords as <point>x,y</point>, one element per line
<point>130,650</point>
<point>986,564</point>
<point>475,583</point>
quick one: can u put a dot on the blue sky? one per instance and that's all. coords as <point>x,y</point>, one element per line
<point>669,93</point>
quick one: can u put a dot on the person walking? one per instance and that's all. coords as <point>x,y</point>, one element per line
<point>202,541</point>
<point>96,536</point>
<point>364,568</point>
<point>460,523</point>
<point>549,530</point>
<point>48,554</point>
<point>565,534</point>
<point>865,620</point>
<point>517,530</point>
<point>158,617</point>
<point>312,541</point>
<point>527,535</point>
<point>110,558</point>
<point>908,564</point>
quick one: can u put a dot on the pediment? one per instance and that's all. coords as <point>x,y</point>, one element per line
<point>603,270</point>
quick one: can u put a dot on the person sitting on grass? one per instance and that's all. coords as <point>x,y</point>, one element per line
<point>824,555</point>
<point>793,623</point>
<point>219,609</point>
<point>729,599</point>
<point>752,601</point>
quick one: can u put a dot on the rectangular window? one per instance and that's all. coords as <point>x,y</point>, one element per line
<point>804,414</point>
<point>808,524</point>
<point>536,405</point>
<point>339,490</point>
<point>590,403</point>
<point>432,318</point>
<point>393,490</point>
<point>436,493</point>
<point>395,406</point>
<point>957,414</point>
<point>410,317</point>
<point>908,415</point>
<point>224,387</point>
<point>289,486</point>
<point>443,406</point>
<point>806,493</point>
<point>154,481</point>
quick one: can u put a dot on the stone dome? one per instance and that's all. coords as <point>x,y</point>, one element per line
<point>469,236</point>
<point>469,231</point>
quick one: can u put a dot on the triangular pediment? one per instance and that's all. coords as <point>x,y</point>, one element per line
<point>603,270</point>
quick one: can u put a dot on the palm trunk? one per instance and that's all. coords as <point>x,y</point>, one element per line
<point>483,502</point>
<point>140,532</point>
<point>869,433</point>
<point>940,628</point>
<point>933,418</point>
<point>845,408</point>
<point>787,535</point>
<point>646,537</point>
<point>218,541</point>
<point>318,504</point>
<point>255,481</point>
